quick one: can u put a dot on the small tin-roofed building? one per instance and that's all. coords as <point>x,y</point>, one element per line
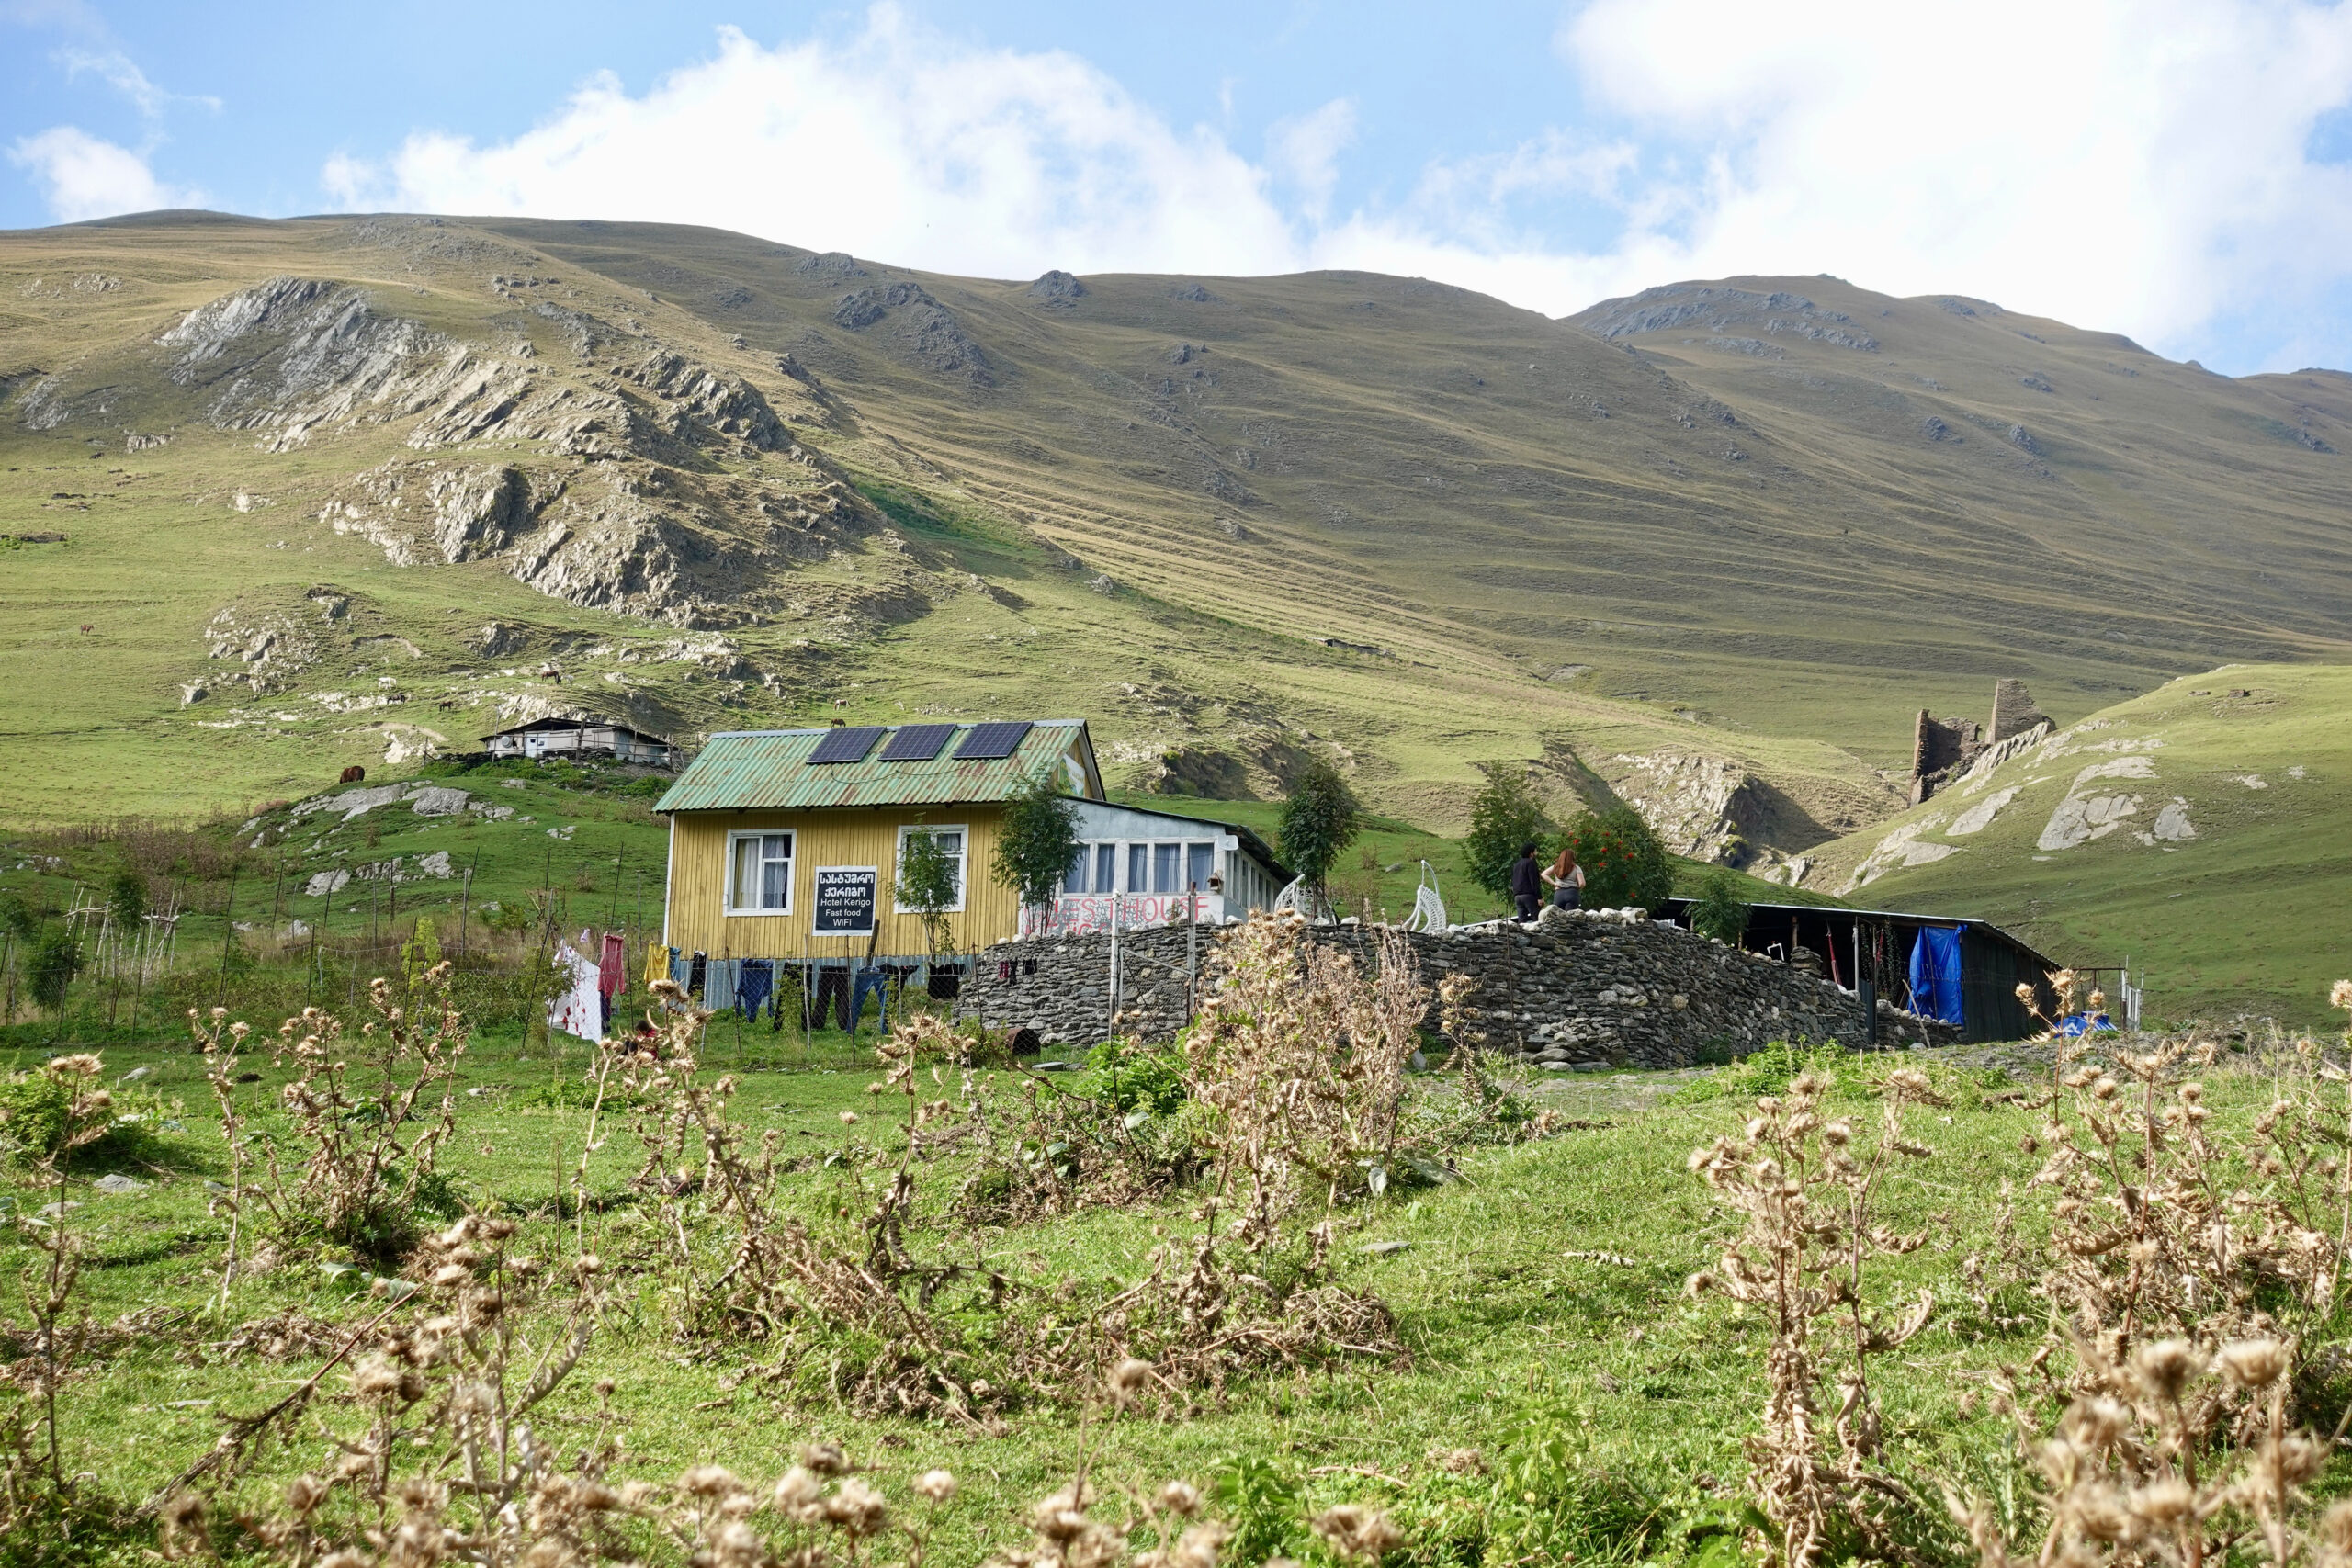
<point>1143,865</point>
<point>582,737</point>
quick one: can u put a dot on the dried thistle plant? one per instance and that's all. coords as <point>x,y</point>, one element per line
<point>1807,1185</point>
<point>2154,1464</point>
<point>219,1041</point>
<point>370,1114</point>
<point>1301,1059</point>
<point>33,1459</point>
<point>2160,1231</point>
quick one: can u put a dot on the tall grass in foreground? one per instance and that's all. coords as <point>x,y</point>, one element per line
<point>2176,1411</point>
<point>2195,1287</point>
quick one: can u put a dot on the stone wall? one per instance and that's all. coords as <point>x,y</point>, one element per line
<point>1577,991</point>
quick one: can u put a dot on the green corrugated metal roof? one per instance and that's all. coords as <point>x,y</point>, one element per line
<point>768,770</point>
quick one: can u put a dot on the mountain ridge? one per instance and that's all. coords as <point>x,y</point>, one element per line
<point>1385,519</point>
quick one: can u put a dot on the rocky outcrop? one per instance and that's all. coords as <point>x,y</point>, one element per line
<point>1581,991</point>
<point>1057,289</point>
<point>265,646</point>
<point>668,545</point>
<point>1980,766</point>
<point>430,513</point>
<point>829,263</point>
<point>2093,809</point>
<point>1724,310</point>
<point>921,329</point>
<point>1900,850</point>
<point>294,355</point>
<point>702,403</point>
<point>1201,771</point>
<point>1706,808</point>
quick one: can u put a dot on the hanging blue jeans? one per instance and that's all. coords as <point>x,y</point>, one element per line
<point>752,986</point>
<point>877,983</point>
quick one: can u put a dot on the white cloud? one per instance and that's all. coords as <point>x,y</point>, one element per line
<point>896,145</point>
<point>123,74</point>
<point>1305,150</point>
<point>2141,167</point>
<point>2137,166</point>
<point>86,177</point>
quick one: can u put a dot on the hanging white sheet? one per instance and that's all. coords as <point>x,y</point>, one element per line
<point>578,1009</point>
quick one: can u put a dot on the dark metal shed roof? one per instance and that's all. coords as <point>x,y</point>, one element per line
<point>768,770</point>
<point>1678,909</point>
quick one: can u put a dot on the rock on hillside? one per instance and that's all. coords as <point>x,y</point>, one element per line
<point>295,355</point>
<point>638,538</point>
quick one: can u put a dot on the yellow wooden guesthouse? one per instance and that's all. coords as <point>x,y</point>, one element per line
<point>785,845</point>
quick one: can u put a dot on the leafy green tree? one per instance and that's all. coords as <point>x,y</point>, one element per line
<point>17,917</point>
<point>1320,818</point>
<point>1505,816</point>
<point>1625,863</point>
<point>56,959</point>
<point>1035,842</point>
<point>1719,911</point>
<point>927,885</point>
<point>126,899</point>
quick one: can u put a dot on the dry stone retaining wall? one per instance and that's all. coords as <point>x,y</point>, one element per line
<point>1577,991</point>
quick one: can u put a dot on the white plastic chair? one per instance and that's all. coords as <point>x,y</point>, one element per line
<point>1428,908</point>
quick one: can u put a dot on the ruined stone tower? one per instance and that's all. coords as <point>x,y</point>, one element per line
<point>1941,748</point>
<point>2014,712</point>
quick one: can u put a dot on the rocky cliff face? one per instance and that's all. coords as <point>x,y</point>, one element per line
<point>612,500</point>
<point>1706,808</point>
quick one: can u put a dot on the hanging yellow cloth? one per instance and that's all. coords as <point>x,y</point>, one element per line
<point>656,963</point>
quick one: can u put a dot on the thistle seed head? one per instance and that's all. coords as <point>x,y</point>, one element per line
<point>2254,1363</point>
<point>2166,1368</point>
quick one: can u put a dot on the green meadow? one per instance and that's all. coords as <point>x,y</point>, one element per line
<point>1539,1296</point>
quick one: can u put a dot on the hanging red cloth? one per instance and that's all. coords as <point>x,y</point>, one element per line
<point>612,971</point>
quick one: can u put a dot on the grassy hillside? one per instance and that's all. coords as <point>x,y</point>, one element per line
<point>2200,834</point>
<point>605,534</point>
<point>1372,516</point>
<point>353,491</point>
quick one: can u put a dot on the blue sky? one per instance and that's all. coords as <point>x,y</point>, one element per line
<point>2173,169</point>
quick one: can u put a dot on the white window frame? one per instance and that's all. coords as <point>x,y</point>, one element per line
<point>963,865</point>
<point>791,872</point>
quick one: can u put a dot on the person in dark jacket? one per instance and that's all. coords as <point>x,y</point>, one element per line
<point>1526,883</point>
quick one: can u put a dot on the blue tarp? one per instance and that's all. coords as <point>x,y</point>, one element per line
<point>1934,974</point>
<point>2078,1023</point>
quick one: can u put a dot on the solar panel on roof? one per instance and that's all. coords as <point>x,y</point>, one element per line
<point>849,744</point>
<point>988,742</point>
<point>917,743</point>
